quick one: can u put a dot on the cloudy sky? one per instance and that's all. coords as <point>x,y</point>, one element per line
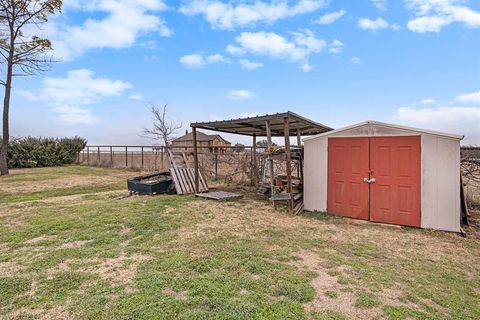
<point>412,62</point>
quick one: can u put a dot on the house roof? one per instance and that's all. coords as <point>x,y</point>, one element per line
<point>257,125</point>
<point>388,125</point>
<point>200,137</point>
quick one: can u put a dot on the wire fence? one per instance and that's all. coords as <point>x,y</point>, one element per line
<point>233,164</point>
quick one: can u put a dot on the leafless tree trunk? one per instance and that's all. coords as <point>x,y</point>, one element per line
<point>163,129</point>
<point>21,55</point>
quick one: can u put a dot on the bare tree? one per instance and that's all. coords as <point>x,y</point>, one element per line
<point>22,54</point>
<point>163,129</point>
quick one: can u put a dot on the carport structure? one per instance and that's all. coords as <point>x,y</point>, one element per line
<point>287,124</point>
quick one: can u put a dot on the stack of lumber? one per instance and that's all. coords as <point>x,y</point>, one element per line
<point>281,195</point>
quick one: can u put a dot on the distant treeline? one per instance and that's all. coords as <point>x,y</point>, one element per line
<point>31,152</point>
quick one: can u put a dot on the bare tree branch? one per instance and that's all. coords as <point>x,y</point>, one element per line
<point>163,129</point>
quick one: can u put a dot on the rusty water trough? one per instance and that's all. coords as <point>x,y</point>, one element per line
<point>151,184</point>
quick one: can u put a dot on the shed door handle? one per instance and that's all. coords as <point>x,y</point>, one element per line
<point>369,180</point>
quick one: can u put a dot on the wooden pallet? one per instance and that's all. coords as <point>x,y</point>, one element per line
<point>183,176</point>
<point>220,195</point>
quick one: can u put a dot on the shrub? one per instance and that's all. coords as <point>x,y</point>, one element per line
<point>30,152</point>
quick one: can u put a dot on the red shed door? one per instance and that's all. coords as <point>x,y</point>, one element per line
<point>347,166</point>
<point>395,166</point>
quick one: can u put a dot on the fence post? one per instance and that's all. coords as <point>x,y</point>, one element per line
<point>126,157</point>
<point>142,157</point>
<point>155,152</point>
<point>111,157</point>
<point>98,155</point>
<point>88,155</point>
<point>161,156</point>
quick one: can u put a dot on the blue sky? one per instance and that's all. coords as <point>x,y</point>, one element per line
<point>412,62</point>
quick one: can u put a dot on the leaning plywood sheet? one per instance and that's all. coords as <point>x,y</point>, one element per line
<point>220,195</point>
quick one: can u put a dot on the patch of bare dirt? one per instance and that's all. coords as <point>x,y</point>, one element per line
<point>74,244</point>
<point>56,313</point>
<point>344,301</point>
<point>120,270</point>
<point>61,183</point>
<point>39,239</point>
<point>181,295</point>
<point>11,269</point>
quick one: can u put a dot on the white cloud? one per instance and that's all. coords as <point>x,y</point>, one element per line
<point>433,15</point>
<point>449,117</point>
<point>75,115</point>
<point>194,60</point>
<point>469,97</point>
<point>197,60</point>
<point>122,22</point>
<point>440,114</point>
<point>270,44</point>
<point>428,101</point>
<point>216,58</point>
<point>336,46</point>
<point>330,18</point>
<point>229,16</point>
<point>240,94</point>
<point>356,60</point>
<point>377,24</point>
<point>452,119</point>
<point>135,96</point>
<point>249,65</point>
<point>79,88</point>
<point>380,4</point>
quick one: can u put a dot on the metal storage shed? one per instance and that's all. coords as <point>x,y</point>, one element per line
<point>385,173</point>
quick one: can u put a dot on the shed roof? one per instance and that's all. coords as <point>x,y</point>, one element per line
<point>389,125</point>
<point>257,125</point>
<point>200,137</point>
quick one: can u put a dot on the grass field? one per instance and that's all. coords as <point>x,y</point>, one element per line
<point>72,246</point>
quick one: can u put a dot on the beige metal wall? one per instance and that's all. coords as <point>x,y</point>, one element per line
<point>440,180</point>
<point>440,183</point>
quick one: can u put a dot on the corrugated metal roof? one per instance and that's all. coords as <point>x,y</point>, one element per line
<point>257,125</point>
<point>388,125</point>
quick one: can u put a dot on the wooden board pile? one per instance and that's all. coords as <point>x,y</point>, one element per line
<point>278,191</point>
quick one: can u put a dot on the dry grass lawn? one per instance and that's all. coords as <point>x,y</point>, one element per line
<point>72,246</point>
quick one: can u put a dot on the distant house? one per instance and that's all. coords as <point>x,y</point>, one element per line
<point>205,142</point>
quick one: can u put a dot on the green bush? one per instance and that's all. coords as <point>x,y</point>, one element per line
<point>33,152</point>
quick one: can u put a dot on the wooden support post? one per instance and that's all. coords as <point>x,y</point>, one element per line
<point>254,161</point>
<point>98,155</point>
<point>286,126</point>
<point>156,155</point>
<point>126,157</point>
<point>88,155</point>
<point>270,159</point>
<point>299,143</point>
<point>216,166</point>
<point>142,157</point>
<point>195,159</point>
<point>111,156</point>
